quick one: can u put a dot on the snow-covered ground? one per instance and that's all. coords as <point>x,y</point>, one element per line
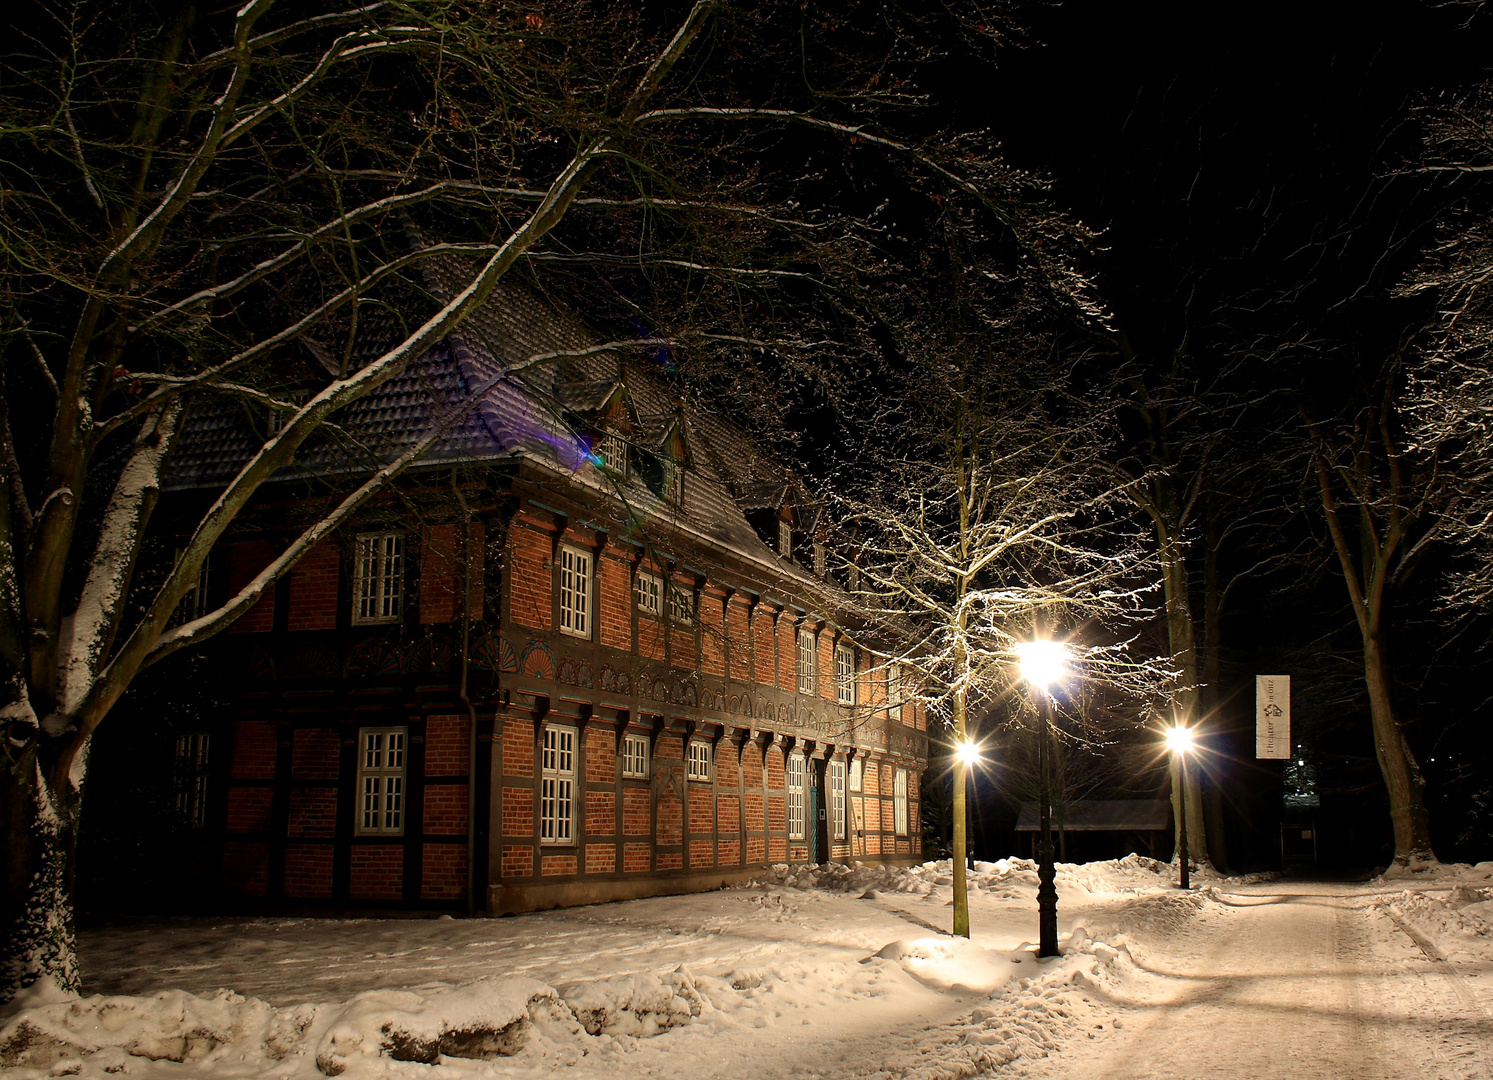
<point>829,972</point>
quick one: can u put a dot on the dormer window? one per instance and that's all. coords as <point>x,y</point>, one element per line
<point>610,452</point>
<point>785,538</point>
<point>818,559</point>
<point>673,492</point>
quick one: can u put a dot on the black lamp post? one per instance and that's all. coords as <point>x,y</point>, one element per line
<point>1179,742</point>
<point>1042,664</point>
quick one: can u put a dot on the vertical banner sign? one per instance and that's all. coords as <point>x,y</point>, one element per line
<point>1272,716</point>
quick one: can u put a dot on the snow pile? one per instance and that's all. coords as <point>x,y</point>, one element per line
<point>1457,924</point>
<point>1001,878</point>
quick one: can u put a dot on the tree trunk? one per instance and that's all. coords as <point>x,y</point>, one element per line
<point>1183,644</point>
<point>1402,775</point>
<point>40,831</point>
<point>960,814</point>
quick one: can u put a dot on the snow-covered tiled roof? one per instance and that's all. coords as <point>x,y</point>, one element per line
<point>524,416</point>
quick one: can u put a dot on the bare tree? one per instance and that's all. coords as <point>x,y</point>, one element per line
<point>981,512</point>
<point>194,201</point>
<point>1383,505</point>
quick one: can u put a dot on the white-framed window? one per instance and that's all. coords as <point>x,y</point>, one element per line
<point>557,786</point>
<point>191,778</point>
<point>837,798</point>
<point>575,592</point>
<point>699,760</point>
<point>378,577</point>
<point>611,451</point>
<point>681,603</point>
<point>855,774</point>
<point>635,757</point>
<point>806,661</point>
<point>381,780</point>
<point>845,674</point>
<point>796,797</point>
<point>899,801</point>
<point>197,601</point>
<point>647,593</point>
<point>785,538</point>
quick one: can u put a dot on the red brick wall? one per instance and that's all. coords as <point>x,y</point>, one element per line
<point>443,871</point>
<point>556,865</point>
<point>637,817</point>
<point>601,756</point>
<point>313,812</point>
<point>377,872</point>
<point>670,818</point>
<point>249,810</point>
<point>518,811</point>
<point>245,560</point>
<point>670,747</point>
<point>738,640</point>
<point>712,634</point>
<point>314,752</point>
<point>777,849</point>
<point>751,765</point>
<point>601,858</point>
<point>446,809</point>
<point>826,685</point>
<point>313,589</point>
<point>518,747</point>
<point>446,745</point>
<point>764,648</point>
<point>756,811</point>
<point>308,870</point>
<point>777,778</point>
<point>601,814</point>
<point>518,861</point>
<point>253,750</point>
<point>636,858</point>
<point>727,767</point>
<point>701,808</point>
<point>615,589</point>
<point>530,588</point>
<point>670,860</point>
<point>246,868</point>
<point>728,812</point>
<point>730,853</point>
<point>756,849</point>
<point>701,853</point>
<point>441,571</point>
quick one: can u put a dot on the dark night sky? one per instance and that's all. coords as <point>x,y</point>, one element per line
<point>1230,145</point>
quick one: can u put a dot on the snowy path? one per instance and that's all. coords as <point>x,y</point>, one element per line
<point>811,975</point>
<point>1304,983</point>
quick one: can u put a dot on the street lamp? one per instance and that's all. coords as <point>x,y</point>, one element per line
<point>1042,664</point>
<point>1179,742</point>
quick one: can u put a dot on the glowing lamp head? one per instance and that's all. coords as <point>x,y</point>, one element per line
<point>967,752</point>
<point>1179,739</point>
<point>1042,662</point>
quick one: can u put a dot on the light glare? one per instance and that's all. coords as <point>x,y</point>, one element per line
<point>1179,739</point>
<point>1042,662</point>
<point>967,753</point>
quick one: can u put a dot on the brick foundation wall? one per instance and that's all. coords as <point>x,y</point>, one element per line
<point>308,871</point>
<point>313,812</point>
<point>377,872</point>
<point>443,871</point>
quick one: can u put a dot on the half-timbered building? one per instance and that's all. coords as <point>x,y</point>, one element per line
<point>585,650</point>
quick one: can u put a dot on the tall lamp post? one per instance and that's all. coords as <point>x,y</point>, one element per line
<point>1179,742</point>
<point>1042,664</point>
